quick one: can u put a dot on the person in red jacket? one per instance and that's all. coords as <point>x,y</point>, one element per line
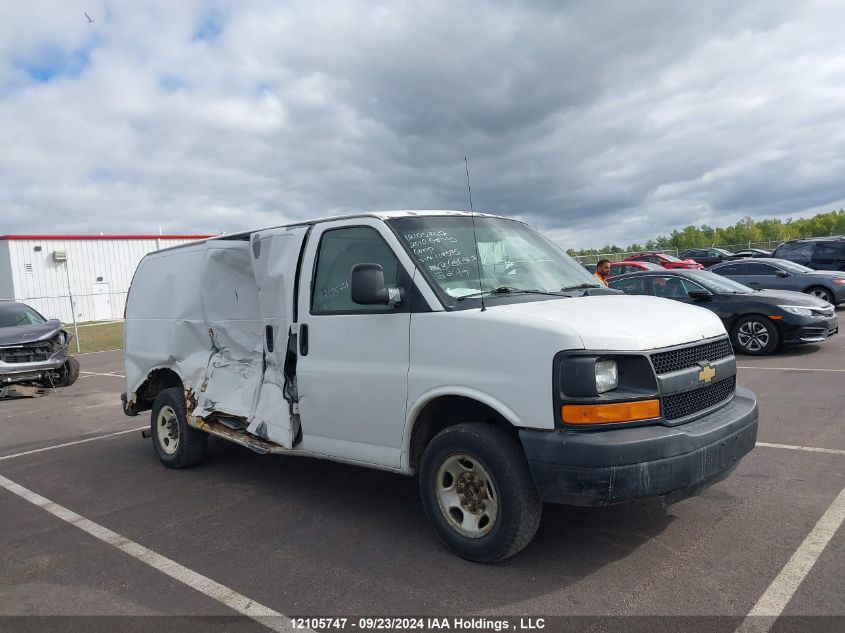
<point>602,271</point>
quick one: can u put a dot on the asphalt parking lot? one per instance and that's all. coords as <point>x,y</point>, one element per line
<point>272,535</point>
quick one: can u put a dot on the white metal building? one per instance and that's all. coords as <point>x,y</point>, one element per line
<point>44,271</point>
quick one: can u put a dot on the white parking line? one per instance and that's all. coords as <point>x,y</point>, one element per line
<point>811,449</point>
<point>772,603</point>
<point>787,368</point>
<point>89,439</point>
<point>214,590</point>
<point>98,373</point>
<point>100,351</point>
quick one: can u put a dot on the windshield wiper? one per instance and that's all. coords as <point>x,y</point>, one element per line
<point>580,287</point>
<point>507,290</point>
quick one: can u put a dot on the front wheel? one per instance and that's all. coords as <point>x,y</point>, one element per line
<point>477,492</point>
<point>70,371</point>
<point>176,444</point>
<point>821,293</point>
<point>755,335</point>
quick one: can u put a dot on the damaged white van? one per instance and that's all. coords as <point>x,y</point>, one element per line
<point>463,348</point>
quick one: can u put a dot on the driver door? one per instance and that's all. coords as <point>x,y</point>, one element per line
<point>352,370</point>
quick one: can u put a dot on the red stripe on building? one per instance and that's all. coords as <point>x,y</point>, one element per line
<point>104,237</point>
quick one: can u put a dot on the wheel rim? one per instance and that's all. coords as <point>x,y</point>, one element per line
<point>753,336</point>
<point>167,430</point>
<point>466,496</point>
<point>821,294</point>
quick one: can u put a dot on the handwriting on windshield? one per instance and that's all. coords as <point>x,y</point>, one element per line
<point>437,250</point>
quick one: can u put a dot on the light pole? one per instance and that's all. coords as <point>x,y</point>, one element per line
<point>61,256</point>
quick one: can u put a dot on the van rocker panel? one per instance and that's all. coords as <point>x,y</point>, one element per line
<point>613,466</point>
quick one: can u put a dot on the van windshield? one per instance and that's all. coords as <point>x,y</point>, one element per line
<point>512,256</point>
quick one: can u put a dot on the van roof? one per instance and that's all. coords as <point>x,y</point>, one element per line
<point>382,215</point>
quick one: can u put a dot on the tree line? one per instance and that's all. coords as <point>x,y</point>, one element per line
<point>745,231</point>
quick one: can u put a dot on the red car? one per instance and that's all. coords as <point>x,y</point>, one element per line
<point>666,261</point>
<point>620,268</point>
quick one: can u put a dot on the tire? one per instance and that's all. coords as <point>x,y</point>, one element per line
<point>755,335</point>
<point>176,444</point>
<point>478,470</point>
<point>821,293</point>
<point>70,371</point>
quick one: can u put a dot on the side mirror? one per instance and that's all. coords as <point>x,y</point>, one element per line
<point>782,273</point>
<point>700,294</point>
<point>367,286</point>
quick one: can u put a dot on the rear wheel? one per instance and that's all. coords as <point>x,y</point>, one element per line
<point>176,444</point>
<point>821,293</point>
<point>755,335</point>
<point>477,492</point>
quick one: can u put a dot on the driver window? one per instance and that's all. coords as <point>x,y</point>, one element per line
<point>668,288</point>
<point>760,269</point>
<point>340,250</point>
<point>689,286</point>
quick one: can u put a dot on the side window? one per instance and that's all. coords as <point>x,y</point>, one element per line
<point>830,250</point>
<point>797,251</point>
<point>731,269</point>
<point>668,287</point>
<point>689,286</point>
<point>340,250</point>
<point>754,268</point>
<point>633,286</point>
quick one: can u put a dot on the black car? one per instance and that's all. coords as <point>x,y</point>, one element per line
<point>709,256</point>
<point>753,252</point>
<point>33,352</point>
<point>820,253</point>
<point>758,321</point>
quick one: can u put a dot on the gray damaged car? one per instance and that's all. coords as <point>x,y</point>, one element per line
<point>33,352</point>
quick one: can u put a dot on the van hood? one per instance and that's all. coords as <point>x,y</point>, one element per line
<point>623,322</point>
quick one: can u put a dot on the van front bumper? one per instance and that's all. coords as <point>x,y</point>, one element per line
<point>613,466</point>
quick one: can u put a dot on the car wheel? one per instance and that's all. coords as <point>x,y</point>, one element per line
<point>70,371</point>
<point>477,492</point>
<point>821,293</point>
<point>176,444</point>
<point>755,335</point>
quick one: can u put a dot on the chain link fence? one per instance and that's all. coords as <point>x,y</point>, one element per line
<point>618,257</point>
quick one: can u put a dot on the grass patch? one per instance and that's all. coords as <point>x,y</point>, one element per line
<point>95,337</point>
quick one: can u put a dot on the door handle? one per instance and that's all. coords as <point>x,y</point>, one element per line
<point>268,337</point>
<point>303,339</point>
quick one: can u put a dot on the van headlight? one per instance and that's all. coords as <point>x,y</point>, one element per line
<point>607,376</point>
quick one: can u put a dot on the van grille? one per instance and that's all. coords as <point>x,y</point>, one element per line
<point>28,353</point>
<point>677,359</point>
<point>680,405</point>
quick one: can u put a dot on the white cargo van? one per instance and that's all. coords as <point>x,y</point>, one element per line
<point>463,348</point>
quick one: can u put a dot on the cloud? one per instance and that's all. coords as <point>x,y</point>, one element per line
<point>607,122</point>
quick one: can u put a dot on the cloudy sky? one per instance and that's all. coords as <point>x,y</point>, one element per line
<point>598,122</point>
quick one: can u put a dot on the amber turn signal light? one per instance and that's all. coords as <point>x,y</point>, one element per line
<point>610,413</point>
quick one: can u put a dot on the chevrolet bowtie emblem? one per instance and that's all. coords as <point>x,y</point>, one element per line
<point>706,374</point>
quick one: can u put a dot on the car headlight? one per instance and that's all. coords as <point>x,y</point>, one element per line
<point>607,376</point>
<point>798,310</point>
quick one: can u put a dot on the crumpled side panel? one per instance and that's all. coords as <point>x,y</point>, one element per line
<point>230,305</point>
<point>274,257</point>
